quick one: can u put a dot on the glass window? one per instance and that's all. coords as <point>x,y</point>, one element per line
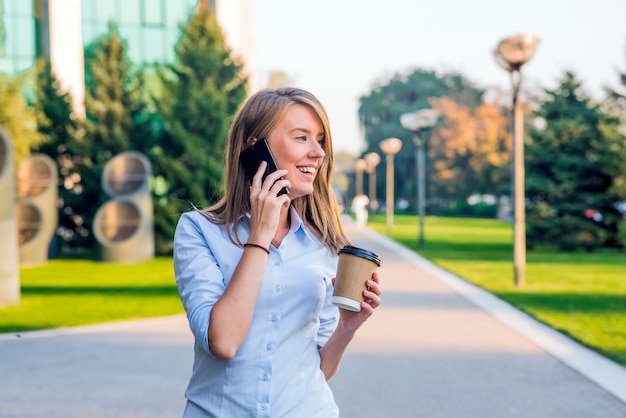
<point>176,12</point>
<point>88,33</point>
<point>87,10</point>
<point>6,66</point>
<point>132,35</point>
<point>130,11</point>
<point>168,55</point>
<point>18,7</point>
<point>105,10</point>
<point>170,41</point>
<point>153,45</point>
<point>153,12</point>
<point>25,36</point>
<point>23,64</point>
<point>7,8</point>
<point>91,32</point>
<point>20,36</point>
<point>25,8</point>
<point>10,34</point>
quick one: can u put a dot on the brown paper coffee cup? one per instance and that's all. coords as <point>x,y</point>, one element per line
<point>355,267</point>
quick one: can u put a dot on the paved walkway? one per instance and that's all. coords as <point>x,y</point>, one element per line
<point>438,347</point>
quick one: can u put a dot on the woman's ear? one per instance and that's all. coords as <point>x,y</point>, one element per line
<point>250,141</point>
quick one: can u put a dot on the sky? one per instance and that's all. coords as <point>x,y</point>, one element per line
<point>340,49</point>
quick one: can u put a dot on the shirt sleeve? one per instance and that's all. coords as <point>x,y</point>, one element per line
<point>198,277</point>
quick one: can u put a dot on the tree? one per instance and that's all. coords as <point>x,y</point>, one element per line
<point>113,96</point>
<point>617,103</point>
<point>470,150</point>
<point>618,96</point>
<point>115,122</point>
<point>575,172</point>
<point>201,92</point>
<point>17,117</point>
<point>379,114</point>
<point>55,120</point>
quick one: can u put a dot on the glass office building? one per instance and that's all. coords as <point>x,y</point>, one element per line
<point>59,29</point>
<point>18,36</point>
<point>149,26</point>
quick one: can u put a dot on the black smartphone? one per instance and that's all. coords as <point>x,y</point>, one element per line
<point>252,157</point>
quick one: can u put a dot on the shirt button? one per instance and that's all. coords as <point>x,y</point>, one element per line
<point>263,406</point>
<point>281,251</point>
<point>277,289</point>
<point>277,263</point>
<point>269,346</point>
<point>265,379</point>
<point>274,318</point>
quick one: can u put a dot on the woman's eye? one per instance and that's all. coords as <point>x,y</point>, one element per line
<point>321,142</point>
<point>301,138</point>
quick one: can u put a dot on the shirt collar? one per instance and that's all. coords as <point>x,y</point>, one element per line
<point>296,224</point>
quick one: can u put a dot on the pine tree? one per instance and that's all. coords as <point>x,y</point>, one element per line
<point>617,104</point>
<point>574,169</point>
<point>618,96</point>
<point>113,96</point>
<point>201,92</point>
<point>114,121</point>
<point>55,120</point>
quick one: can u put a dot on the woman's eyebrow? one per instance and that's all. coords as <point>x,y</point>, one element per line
<point>306,131</point>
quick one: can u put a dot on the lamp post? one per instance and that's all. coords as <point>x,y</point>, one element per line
<point>359,166</point>
<point>372,159</point>
<point>511,54</point>
<point>390,147</point>
<point>420,124</point>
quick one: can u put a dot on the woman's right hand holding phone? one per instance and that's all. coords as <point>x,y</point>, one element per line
<point>266,205</point>
<point>232,314</point>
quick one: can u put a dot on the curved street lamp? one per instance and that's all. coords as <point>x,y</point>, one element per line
<point>511,54</point>
<point>372,159</point>
<point>420,124</point>
<point>390,147</point>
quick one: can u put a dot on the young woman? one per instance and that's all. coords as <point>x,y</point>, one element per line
<point>255,272</point>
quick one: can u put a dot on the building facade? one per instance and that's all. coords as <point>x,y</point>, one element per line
<point>59,29</point>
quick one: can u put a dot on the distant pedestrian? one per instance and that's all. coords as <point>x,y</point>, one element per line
<point>359,208</point>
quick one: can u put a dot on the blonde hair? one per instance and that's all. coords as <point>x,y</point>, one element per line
<point>257,118</point>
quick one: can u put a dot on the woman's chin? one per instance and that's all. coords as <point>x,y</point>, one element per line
<point>300,191</point>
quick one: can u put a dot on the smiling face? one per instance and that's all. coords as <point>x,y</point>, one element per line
<point>296,143</point>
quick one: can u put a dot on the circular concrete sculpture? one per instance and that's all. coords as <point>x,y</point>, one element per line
<point>37,212</point>
<point>29,222</point>
<point>9,253</point>
<point>123,226</point>
<point>126,174</point>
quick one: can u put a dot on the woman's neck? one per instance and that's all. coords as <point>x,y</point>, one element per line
<point>284,224</point>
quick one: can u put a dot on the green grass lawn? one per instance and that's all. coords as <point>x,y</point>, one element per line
<point>582,295</point>
<point>66,293</point>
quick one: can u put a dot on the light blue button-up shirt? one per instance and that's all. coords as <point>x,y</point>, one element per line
<point>276,372</point>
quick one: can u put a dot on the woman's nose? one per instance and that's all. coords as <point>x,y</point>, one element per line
<point>317,151</point>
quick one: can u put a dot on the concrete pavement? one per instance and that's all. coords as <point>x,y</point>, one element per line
<point>437,347</point>
<point>130,369</point>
